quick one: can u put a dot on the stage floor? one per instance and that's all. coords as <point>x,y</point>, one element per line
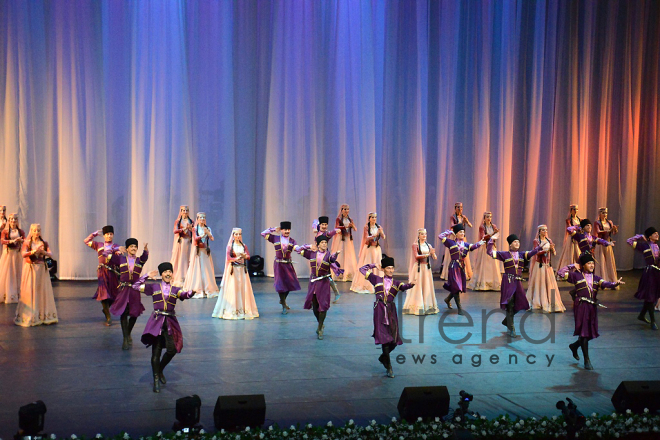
<point>90,385</point>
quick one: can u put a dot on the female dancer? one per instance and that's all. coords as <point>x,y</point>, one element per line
<point>183,227</point>
<point>570,251</point>
<point>649,284</point>
<point>201,272</point>
<point>286,279</point>
<point>318,292</point>
<point>457,218</point>
<point>106,272</point>
<point>420,300</point>
<point>236,300</point>
<point>11,262</point>
<point>162,329</point>
<point>487,271</point>
<point>458,250</point>
<point>512,294</point>
<point>370,253</point>
<point>3,223</point>
<point>346,260</point>
<point>386,322</point>
<point>604,228</point>
<point>127,304</point>
<point>36,305</point>
<point>543,292</point>
<point>585,305</point>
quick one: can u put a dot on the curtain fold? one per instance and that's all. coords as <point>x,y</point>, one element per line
<point>261,111</point>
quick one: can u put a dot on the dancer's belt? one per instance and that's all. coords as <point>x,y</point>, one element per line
<point>111,269</point>
<point>515,277</point>
<point>591,301</point>
<point>284,261</point>
<point>236,264</point>
<point>653,266</point>
<point>121,285</point>
<point>161,312</point>
<point>320,278</point>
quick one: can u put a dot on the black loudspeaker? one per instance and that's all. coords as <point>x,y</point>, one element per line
<point>187,411</point>
<point>636,395</point>
<point>31,418</point>
<point>240,411</point>
<point>423,402</point>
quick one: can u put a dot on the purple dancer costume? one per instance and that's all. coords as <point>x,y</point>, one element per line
<point>649,285</point>
<point>162,329</point>
<point>286,279</point>
<point>458,250</point>
<point>108,275</point>
<point>512,295</point>
<point>386,322</point>
<point>127,304</point>
<point>585,304</point>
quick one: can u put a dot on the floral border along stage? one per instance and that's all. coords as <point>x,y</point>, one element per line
<point>613,426</point>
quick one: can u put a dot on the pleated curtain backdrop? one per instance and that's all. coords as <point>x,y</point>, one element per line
<point>260,111</point>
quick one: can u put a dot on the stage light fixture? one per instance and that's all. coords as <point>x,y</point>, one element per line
<point>256,266</point>
<point>31,421</point>
<point>187,414</point>
<point>574,419</point>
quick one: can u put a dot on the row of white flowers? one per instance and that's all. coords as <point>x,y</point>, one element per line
<point>597,427</point>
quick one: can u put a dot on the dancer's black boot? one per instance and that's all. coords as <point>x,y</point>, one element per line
<point>124,330</point>
<point>105,304</point>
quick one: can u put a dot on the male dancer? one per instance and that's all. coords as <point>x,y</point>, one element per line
<point>318,292</point>
<point>286,279</point>
<point>127,304</point>
<point>458,250</point>
<point>649,284</point>
<point>585,305</point>
<point>512,295</point>
<point>107,273</point>
<point>582,236</point>
<point>386,321</point>
<point>321,227</point>
<point>162,329</point>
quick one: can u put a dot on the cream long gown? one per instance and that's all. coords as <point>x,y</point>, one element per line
<point>201,273</point>
<point>420,300</point>
<point>368,255</point>
<point>488,271</point>
<point>236,299</point>
<point>11,269</point>
<point>543,292</point>
<point>181,254</point>
<point>346,257</point>
<point>36,304</point>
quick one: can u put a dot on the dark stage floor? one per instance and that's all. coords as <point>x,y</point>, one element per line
<point>90,385</point>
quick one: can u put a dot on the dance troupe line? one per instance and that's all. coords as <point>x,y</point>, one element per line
<point>587,262</point>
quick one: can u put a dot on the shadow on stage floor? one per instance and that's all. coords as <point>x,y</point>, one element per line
<point>90,385</point>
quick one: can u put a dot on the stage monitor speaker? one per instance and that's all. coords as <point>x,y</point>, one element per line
<point>636,395</point>
<point>423,402</point>
<point>239,411</point>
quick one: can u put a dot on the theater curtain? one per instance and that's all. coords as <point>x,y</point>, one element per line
<point>117,112</point>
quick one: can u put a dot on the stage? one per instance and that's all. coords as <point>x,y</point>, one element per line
<point>91,386</point>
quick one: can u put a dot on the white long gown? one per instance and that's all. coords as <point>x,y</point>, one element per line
<point>201,273</point>
<point>420,300</point>
<point>236,299</point>
<point>181,254</point>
